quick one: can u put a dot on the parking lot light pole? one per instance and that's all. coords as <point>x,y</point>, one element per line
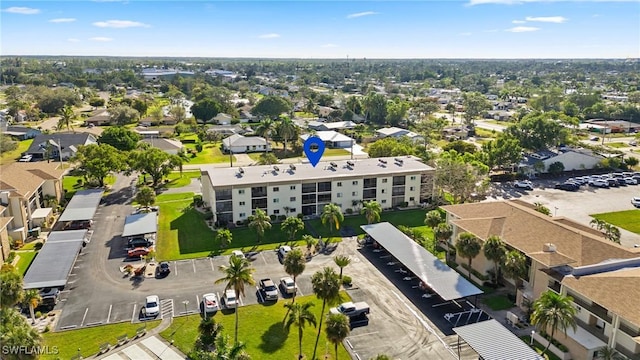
<point>533,332</point>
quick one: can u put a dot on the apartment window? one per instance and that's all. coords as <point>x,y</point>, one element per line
<point>292,187</point>
<point>241,191</point>
<point>275,201</point>
<point>355,193</point>
<point>412,199</point>
<point>241,203</point>
<point>292,210</point>
<point>413,178</point>
<point>243,215</point>
<point>384,181</point>
<point>276,189</point>
<point>355,182</point>
<point>339,195</point>
<point>339,184</point>
<point>411,188</point>
<point>384,191</point>
<point>293,198</point>
<point>384,201</point>
<point>276,212</point>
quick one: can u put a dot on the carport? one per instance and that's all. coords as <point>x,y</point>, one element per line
<point>55,260</point>
<point>140,224</point>
<point>492,341</point>
<point>434,273</point>
<point>82,206</point>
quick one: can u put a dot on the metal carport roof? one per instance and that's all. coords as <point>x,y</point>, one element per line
<point>429,269</point>
<point>140,224</point>
<point>54,262</point>
<point>82,206</point>
<point>492,341</point>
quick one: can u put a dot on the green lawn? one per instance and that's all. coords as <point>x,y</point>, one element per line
<point>11,156</point>
<point>306,115</point>
<point>89,339</point>
<point>539,348</point>
<point>484,133</point>
<point>260,328</point>
<point>210,154</point>
<point>175,179</point>
<point>70,184</point>
<point>617,145</point>
<point>498,302</point>
<point>628,219</point>
<point>26,257</point>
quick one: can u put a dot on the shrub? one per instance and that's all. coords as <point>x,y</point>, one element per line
<point>11,257</point>
<point>282,217</point>
<point>79,182</point>
<point>404,204</point>
<point>239,222</point>
<point>197,200</point>
<point>272,217</point>
<point>38,245</point>
<point>47,329</point>
<point>300,216</point>
<point>38,314</point>
<point>348,211</point>
<point>199,147</point>
<point>208,215</point>
<point>346,280</point>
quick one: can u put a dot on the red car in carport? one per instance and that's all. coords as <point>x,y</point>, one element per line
<point>137,252</point>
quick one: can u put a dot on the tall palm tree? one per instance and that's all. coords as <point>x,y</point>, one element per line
<point>598,224</point>
<point>468,246</point>
<point>32,298</point>
<point>238,274</point>
<point>66,118</point>
<point>260,222</point>
<point>371,210</point>
<point>608,353</point>
<point>442,232</point>
<point>294,265</point>
<point>515,266</point>
<point>342,261</point>
<point>310,241</point>
<point>209,330</point>
<point>326,286</point>
<point>299,316</point>
<point>611,233</point>
<point>433,219</point>
<point>287,130</point>
<point>337,329</point>
<point>226,351</point>
<point>495,251</point>
<point>332,215</point>
<point>265,129</point>
<point>553,311</point>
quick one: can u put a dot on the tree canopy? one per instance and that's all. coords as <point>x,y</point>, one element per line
<point>271,106</point>
<point>537,131</point>
<point>96,161</point>
<point>120,138</point>
<point>154,162</point>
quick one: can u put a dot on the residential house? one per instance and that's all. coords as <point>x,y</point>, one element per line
<point>500,115</point>
<point>244,144</point>
<point>222,119</point>
<point>572,159</point>
<point>170,146</point>
<point>24,189</point>
<point>153,74</point>
<point>99,117</point>
<point>324,111</point>
<point>332,139</point>
<point>336,125</point>
<point>566,257</point>
<point>147,134</point>
<point>226,130</point>
<point>396,132</point>
<point>19,132</point>
<point>58,145</point>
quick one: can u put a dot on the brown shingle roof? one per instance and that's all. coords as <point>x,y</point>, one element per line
<point>527,230</point>
<point>25,178</point>
<point>4,221</point>
<point>605,289</point>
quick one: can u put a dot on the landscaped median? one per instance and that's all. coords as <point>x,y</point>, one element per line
<point>261,329</point>
<point>628,219</point>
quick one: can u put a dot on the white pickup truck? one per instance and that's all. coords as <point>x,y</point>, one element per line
<point>351,309</point>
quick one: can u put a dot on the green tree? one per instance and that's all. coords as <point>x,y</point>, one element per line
<point>608,353</point>
<point>556,168</point>
<point>612,233</point>
<point>16,332</point>
<point>206,109</point>
<point>146,196</point>
<point>287,130</point>
<point>209,330</point>
<point>66,118</point>
<point>371,210</point>
<point>460,146</point>
<point>375,106</point>
<point>326,287</point>
<point>237,275</point>
<point>341,261</point>
<point>226,351</point>
<point>442,232</point>
<point>300,316</point>
<point>260,222</point>
<point>96,102</point>
<point>178,113</point>
<point>553,311</point>
<point>310,241</point>
<point>396,111</point>
<point>381,357</point>
<point>155,162</point>
<point>224,237</point>
<point>266,128</point>
<point>495,251</point>
<point>538,132</point>
<point>631,161</point>
<point>505,151</point>
<point>120,138</point>
<point>391,147</point>
<point>291,226</point>
<point>11,289</point>
<point>332,215</point>
<point>268,158</point>
<point>433,218</point>
<point>598,224</point>
<point>515,266</point>
<point>474,105</point>
<point>156,113</point>
<point>460,174</point>
<point>539,207</point>
<point>294,265</point>
<point>337,329</point>
<point>97,161</point>
<point>123,115</point>
<point>271,106</point>
<point>468,246</point>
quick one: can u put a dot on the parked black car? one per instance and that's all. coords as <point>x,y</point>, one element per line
<point>568,186</point>
<point>138,242</point>
<point>163,269</point>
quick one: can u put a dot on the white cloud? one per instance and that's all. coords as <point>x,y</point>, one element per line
<point>269,36</point>
<point>101,39</point>
<point>547,19</point>
<point>518,21</point>
<point>62,20</point>
<point>73,40</point>
<point>119,24</point>
<point>22,10</point>
<point>519,29</point>
<point>518,2</point>
<point>361,14</point>
<point>329,46</point>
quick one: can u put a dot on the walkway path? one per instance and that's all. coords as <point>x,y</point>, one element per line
<point>194,187</point>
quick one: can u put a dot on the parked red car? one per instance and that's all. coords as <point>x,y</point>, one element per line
<point>137,252</point>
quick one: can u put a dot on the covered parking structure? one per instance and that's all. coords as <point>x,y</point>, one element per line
<point>492,341</point>
<point>430,270</point>
<point>54,262</point>
<point>80,210</point>
<point>140,224</point>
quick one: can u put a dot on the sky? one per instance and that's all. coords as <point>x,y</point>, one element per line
<point>324,29</point>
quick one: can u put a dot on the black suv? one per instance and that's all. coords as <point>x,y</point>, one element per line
<point>568,186</point>
<point>138,242</point>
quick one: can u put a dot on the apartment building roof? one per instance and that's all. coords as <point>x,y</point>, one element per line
<point>324,171</point>
<point>24,178</point>
<point>605,289</point>
<point>528,231</point>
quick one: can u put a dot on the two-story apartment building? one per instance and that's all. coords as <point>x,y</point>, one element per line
<point>569,258</point>
<point>288,189</point>
<point>24,188</point>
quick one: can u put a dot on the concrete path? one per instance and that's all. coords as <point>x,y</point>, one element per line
<point>357,151</point>
<point>242,160</point>
<point>194,187</point>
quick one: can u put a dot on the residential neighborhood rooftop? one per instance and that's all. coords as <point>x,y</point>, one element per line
<point>26,177</point>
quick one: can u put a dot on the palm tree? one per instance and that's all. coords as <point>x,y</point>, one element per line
<point>291,226</point>
<point>294,265</point>
<point>260,222</point>
<point>608,353</point>
<point>17,332</point>
<point>342,261</point>
<point>442,232</point>
<point>598,224</point>
<point>32,298</point>
<point>310,241</point>
<point>287,130</point>
<point>433,219</point>
<point>326,286</point>
<point>11,292</point>
<point>515,266</point>
<point>337,329</point>
<point>238,274</point>
<point>612,233</point>
<point>226,351</point>
<point>265,129</point>
<point>553,311</point>
<point>66,118</point>
<point>300,316</point>
<point>371,210</point>
<point>495,251</point>
<point>468,246</point>
<point>333,215</point>
<point>539,207</point>
<point>209,330</point>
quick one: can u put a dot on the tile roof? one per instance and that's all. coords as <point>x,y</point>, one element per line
<point>25,177</point>
<point>4,221</point>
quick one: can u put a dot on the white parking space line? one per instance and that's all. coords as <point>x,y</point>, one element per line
<point>193,262</point>
<point>263,259</point>
<point>259,294</point>
<point>299,292</point>
<point>133,315</point>
<point>211,262</point>
<point>369,333</point>
<point>175,266</point>
<point>109,316</point>
<point>240,299</point>
<point>84,317</point>
<point>198,302</point>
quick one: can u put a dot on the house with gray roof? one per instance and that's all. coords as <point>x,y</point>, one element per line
<point>58,145</point>
<point>244,144</point>
<point>396,132</point>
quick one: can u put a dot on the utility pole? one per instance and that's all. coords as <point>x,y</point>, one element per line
<point>60,152</point>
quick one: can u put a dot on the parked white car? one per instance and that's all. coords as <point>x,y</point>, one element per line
<point>630,181</point>
<point>523,184</point>
<point>210,303</point>
<point>635,201</point>
<point>237,253</point>
<point>26,158</point>
<point>284,250</point>
<point>230,299</point>
<point>152,306</point>
<point>288,286</point>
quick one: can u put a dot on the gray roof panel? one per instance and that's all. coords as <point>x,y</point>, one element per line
<point>140,224</point>
<point>66,236</point>
<point>429,269</point>
<point>54,262</point>
<point>492,341</point>
<point>82,206</point>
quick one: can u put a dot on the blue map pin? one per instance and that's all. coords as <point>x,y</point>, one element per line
<point>313,148</point>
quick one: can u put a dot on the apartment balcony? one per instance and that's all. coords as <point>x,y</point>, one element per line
<point>593,308</point>
<point>593,330</point>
